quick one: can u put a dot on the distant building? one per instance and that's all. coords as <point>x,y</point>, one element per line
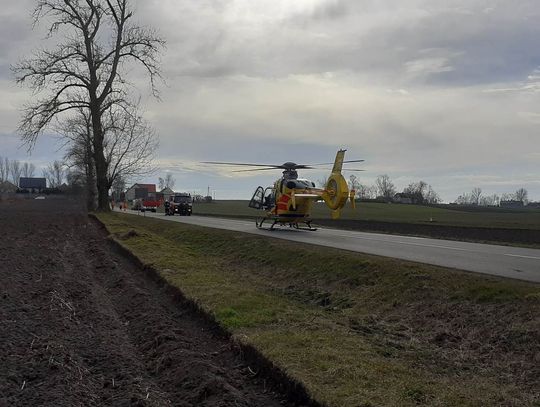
<point>32,185</point>
<point>403,198</point>
<point>141,191</point>
<point>7,187</point>
<point>166,193</point>
<point>511,204</point>
<point>533,205</point>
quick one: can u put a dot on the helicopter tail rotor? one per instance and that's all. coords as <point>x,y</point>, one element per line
<point>336,190</point>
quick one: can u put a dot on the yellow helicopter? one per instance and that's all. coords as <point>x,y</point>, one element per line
<point>290,200</point>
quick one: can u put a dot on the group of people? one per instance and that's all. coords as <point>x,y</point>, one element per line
<point>121,205</point>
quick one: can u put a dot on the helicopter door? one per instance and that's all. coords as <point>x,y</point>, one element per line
<point>257,200</point>
<point>269,198</point>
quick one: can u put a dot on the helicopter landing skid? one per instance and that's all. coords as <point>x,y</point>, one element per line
<point>295,225</point>
<point>308,224</point>
<point>259,223</point>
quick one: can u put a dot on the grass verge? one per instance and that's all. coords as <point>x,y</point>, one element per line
<point>356,330</point>
<point>398,213</point>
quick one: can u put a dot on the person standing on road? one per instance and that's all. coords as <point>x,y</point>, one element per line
<point>167,204</point>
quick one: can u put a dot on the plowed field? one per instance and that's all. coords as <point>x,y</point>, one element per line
<point>82,325</point>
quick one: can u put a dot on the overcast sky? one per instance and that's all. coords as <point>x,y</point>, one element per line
<point>443,91</point>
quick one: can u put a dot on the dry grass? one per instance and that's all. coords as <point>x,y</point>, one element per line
<point>358,330</point>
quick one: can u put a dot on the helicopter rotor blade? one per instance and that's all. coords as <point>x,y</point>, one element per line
<point>302,167</point>
<point>279,167</point>
<point>329,169</point>
<point>244,164</point>
<point>346,161</point>
<point>258,169</point>
<point>286,166</point>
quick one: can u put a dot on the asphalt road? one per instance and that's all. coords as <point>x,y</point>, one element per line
<point>505,261</point>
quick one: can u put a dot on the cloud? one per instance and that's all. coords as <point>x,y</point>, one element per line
<point>420,89</point>
<point>385,40</point>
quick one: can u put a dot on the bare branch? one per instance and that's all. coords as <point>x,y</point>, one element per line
<point>86,72</point>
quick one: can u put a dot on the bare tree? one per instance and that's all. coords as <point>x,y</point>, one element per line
<point>322,182</point>
<point>490,200</point>
<point>521,195</point>
<point>431,197</point>
<point>362,192</point>
<point>354,184</point>
<point>476,194</point>
<point>4,169</point>
<point>118,187</point>
<point>167,182</point>
<point>417,191</point>
<point>55,174</point>
<point>385,187</point>
<point>87,70</point>
<point>372,190</point>
<point>422,193</point>
<point>366,191</point>
<point>75,178</point>
<point>129,144</point>
<point>15,169</point>
<point>464,199</point>
<point>28,170</point>
<point>79,157</point>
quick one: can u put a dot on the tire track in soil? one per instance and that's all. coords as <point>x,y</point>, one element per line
<point>80,325</point>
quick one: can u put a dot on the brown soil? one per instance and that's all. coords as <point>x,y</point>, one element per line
<point>82,325</point>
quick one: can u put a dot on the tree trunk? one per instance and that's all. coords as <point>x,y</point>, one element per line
<point>100,162</point>
<point>90,178</point>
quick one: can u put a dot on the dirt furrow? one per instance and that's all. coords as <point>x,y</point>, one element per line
<point>80,325</point>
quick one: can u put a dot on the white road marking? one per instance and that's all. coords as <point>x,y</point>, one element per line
<point>409,243</point>
<point>525,257</point>
<point>362,237</point>
<point>440,247</point>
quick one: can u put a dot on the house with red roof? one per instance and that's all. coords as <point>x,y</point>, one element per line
<point>143,191</point>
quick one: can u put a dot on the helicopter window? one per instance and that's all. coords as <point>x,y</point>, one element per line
<point>269,197</point>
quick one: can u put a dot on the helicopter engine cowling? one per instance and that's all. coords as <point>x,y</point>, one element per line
<point>336,191</point>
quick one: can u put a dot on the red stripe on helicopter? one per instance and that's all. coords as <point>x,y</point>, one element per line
<point>283,202</point>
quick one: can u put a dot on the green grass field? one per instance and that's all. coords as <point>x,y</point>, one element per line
<point>483,217</point>
<point>357,330</point>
